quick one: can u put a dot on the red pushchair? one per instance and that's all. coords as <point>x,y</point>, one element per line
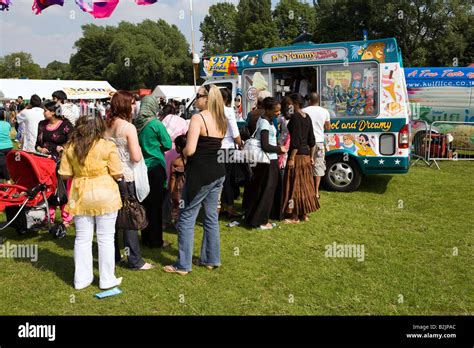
<point>26,202</point>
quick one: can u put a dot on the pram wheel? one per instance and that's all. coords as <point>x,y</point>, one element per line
<point>58,231</point>
<point>21,231</point>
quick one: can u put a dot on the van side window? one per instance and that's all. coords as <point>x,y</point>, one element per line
<point>352,90</point>
<point>254,81</point>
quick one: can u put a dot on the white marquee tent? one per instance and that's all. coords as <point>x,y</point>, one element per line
<point>174,92</point>
<point>12,88</point>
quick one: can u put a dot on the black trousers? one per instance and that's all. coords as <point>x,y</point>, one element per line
<point>3,164</point>
<point>228,189</point>
<point>130,237</point>
<point>152,236</point>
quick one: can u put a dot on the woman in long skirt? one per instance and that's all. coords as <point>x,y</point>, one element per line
<point>299,194</point>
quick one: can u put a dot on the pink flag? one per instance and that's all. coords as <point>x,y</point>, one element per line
<point>145,2</point>
<point>98,8</point>
<point>40,5</point>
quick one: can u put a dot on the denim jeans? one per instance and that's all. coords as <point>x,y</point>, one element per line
<point>208,196</point>
<point>130,237</point>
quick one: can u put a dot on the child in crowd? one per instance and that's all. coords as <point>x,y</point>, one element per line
<point>176,183</point>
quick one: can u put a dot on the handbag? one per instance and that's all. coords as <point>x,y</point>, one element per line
<point>132,216</point>
<point>59,198</point>
<point>142,185</point>
<point>253,151</point>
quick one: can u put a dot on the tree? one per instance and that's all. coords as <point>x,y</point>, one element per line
<point>19,65</point>
<point>132,56</point>
<point>429,33</point>
<point>294,18</point>
<point>92,55</point>
<point>219,28</point>
<point>256,28</point>
<point>57,70</point>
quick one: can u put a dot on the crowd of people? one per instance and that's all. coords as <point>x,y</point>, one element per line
<point>190,166</point>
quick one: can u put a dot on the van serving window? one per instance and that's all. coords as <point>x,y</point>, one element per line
<point>350,90</point>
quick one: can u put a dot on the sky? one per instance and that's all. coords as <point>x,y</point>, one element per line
<point>51,35</point>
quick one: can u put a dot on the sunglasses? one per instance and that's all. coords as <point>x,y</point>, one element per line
<point>198,96</point>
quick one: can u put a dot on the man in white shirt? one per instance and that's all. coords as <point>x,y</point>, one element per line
<point>91,108</point>
<point>321,122</point>
<point>30,117</point>
<point>101,109</point>
<point>68,110</point>
<point>137,106</point>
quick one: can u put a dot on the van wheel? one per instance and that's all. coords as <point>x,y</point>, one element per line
<point>342,176</point>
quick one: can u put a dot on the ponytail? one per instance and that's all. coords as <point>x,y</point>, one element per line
<point>216,108</point>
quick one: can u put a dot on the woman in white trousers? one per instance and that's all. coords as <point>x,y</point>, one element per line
<point>94,165</point>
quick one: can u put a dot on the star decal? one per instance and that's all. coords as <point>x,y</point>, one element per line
<point>397,162</point>
<point>366,161</point>
<point>381,161</point>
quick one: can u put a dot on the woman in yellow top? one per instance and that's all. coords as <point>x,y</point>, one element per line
<point>94,164</point>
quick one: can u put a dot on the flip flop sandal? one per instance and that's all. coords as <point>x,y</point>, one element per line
<point>172,269</point>
<point>146,267</point>
<point>291,222</point>
<point>265,227</point>
<point>197,262</point>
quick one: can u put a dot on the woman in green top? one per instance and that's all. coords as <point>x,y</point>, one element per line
<point>6,145</point>
<point>154,141</point>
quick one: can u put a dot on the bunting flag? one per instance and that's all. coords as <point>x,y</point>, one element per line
<point>40,5</point>
<point>5,5</point>
<point>145,2</point>
<point>98,8</point>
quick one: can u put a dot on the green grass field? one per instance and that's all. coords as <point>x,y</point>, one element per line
<point>416,230</point>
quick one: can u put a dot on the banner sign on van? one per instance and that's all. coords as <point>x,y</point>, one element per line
<point>303,56</point>
<point>439,77</point>
<point>362,126</point>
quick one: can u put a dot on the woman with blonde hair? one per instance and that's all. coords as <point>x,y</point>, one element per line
<point>94,165</point>
<point>204,180</point>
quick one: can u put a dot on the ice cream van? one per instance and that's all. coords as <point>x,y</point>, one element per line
<point>361,83</point>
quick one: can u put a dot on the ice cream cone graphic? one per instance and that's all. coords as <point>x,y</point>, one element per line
<point>391,89</point>
<point>389,84</point>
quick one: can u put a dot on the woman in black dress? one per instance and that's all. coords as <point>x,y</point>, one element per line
<point>53,134</point>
